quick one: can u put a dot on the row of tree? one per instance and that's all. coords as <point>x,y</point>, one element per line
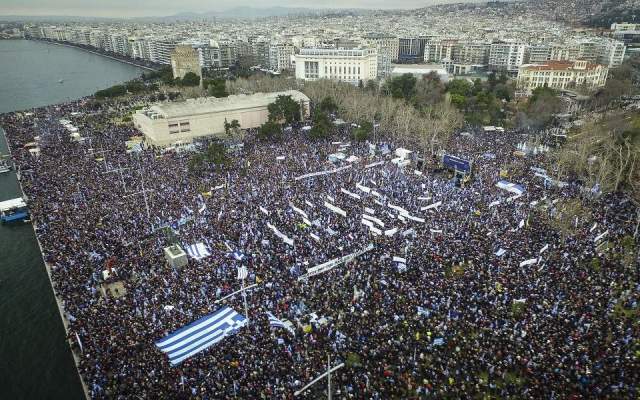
<point>605,152</point>
<point>131,87</point>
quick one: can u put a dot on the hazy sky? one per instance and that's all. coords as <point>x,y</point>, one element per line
<point>138,8</point>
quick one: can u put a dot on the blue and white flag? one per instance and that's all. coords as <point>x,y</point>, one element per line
<point>201,334</point>
<point>197,251</point>
<point>275,322</point>
<point>242,272</point>
<point>239,256</point>
<point>423,311</point>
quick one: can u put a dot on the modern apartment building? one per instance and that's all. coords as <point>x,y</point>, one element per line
<point>506,56</point>
<point>352,66</point>
<point>280,56</point>
<point>387,45</point>
<point>160,50</point>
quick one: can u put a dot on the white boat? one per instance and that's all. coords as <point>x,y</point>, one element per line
<point>61,81</point>
<point>4,165</point>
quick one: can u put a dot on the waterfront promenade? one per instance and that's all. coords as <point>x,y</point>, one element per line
<point>122,60</point>
<point>59,301</point>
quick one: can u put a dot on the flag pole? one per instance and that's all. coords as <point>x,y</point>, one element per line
<point>244,296</point>
<point>329,376</point>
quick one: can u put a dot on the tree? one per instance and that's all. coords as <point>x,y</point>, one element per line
<point>216,87</point>
<point>429,90</point>
<point>216,153</point>
<point>113,91</point>
<point>231,128</point>
<point>363,132</point>
<point>284,109</point>
<point>321,126</point>
<point>190,79</point>
<point>459,101</point>
<point>327,105</point>
<point>371,86</point>
<point>196,162</point>
<point>543,104</point>
<point>460,87</point>
<point>270,131</point>
<point>402,87</point>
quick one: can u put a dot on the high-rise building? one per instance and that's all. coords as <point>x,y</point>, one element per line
<point>280,56</point>
<point>387,45</point>
<point>506,56</point>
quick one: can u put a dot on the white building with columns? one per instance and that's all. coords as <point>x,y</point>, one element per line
<point>352,65</point>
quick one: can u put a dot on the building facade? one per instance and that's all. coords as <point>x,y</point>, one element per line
<point>352,66</point>
<point>506,56</point>
<point>562,75</point>
<point>167,124</point>
<point>280,56</point>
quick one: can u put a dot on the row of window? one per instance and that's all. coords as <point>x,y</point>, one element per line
<point>179,127</point>
<point>339,70</point>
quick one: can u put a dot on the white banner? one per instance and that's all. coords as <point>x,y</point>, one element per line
<point>281,235</point>
<point>434,205</point>
<point>390,232</point>
<point>299,211</point>
<point>331,171</point>
<point>335,209</point>
<point>348,193</point>
<point>374,219</point>
<point>333,263</point>
<point>363,188</point>
<point>375,164</point>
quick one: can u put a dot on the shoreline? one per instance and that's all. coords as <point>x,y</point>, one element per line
<point>60,306</point>
<point>71,45</point>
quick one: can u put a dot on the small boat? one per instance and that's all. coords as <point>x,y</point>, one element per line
<point>4,165</point>
<point>13,210</point>
<point>61,81</point>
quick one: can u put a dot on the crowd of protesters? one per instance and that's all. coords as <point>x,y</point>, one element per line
<point>461,317</point>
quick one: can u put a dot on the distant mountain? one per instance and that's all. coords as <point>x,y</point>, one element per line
<point>246,13</point>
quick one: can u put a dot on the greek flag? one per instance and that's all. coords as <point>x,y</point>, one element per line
<point>423,311</point>
<point>242,273</point>
<point>275,322</point>
<point>238,255</point>
<point>200,335</point>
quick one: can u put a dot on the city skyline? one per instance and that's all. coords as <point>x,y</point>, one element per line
<point>164,8</point>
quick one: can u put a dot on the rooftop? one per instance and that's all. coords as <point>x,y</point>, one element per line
<point>12,204</point>
<point>212,104</point>
<point>558,66</point>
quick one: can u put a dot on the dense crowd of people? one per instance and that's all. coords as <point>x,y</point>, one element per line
<point>494,300</point>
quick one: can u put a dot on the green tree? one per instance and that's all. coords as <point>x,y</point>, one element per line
<point>371,86</point>
<point>190,79</point>
<point>327,105</point>
<point>363,132</point>
<point>321,126</point>
<point>113,91</point>
<point>231,128</point>
<point>402,87</point>
<point>461,87</point>
<point>196,162</point>
<point>459,101</point>
<point>216,87</point>
<point>270,131</point>
<point>284,109</point>
<point>216,153</point>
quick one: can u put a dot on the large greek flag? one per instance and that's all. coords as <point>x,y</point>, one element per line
<point>200,335</point>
